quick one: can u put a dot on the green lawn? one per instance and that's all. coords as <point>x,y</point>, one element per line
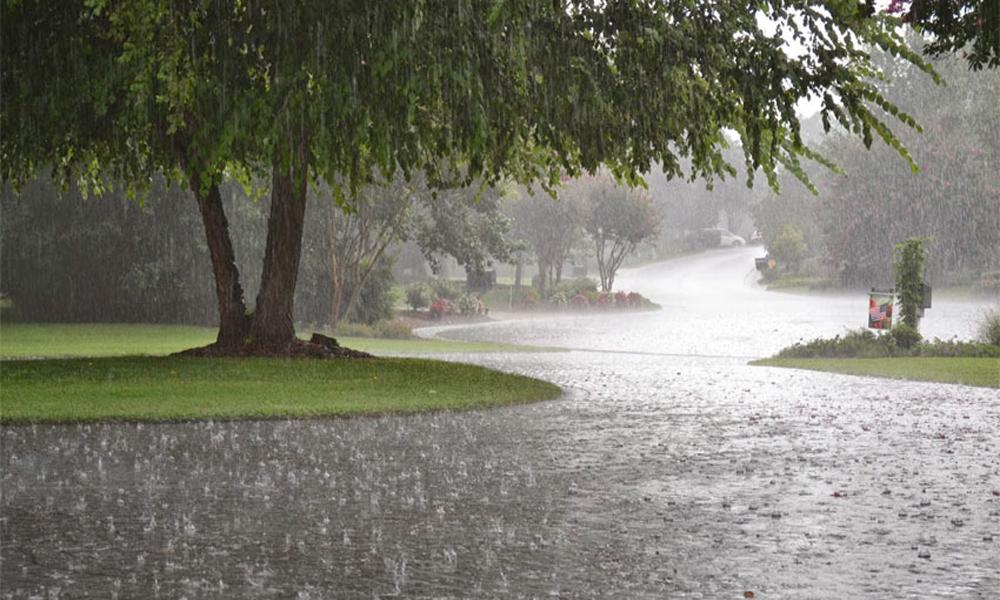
<point>23,340</point>
<point>114,383</point>
<point>173,388</point>
<point>983,372</point>
<point>801,284</point>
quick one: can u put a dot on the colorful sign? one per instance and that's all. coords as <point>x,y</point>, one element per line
<point>880,310</point>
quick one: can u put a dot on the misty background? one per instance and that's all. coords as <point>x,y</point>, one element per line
<point>67,258</point>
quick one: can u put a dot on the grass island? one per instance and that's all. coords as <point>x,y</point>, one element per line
<point>122,373</point>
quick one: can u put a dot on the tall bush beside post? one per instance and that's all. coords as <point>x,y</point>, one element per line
<point>910,258</point>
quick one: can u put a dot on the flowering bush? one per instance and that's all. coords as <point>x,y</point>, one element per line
<point>469,304</point>
<point>441,307</point>
<point>583,300</point>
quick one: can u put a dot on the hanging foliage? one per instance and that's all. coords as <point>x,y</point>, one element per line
<point>525,89</point>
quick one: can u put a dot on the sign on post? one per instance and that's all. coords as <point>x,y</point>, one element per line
<point>880,309</point>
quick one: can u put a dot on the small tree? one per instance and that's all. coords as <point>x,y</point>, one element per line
<point>550,227</point>
<point>418,296</point>
<point>910,257</point>
<point>617,219</point>
<point>789,247</point>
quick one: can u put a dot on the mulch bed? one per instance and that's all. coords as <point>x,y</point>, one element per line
<point>318,346</point>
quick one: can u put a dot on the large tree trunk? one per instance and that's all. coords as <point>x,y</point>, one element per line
<point>233,322</point>
<point>273,330</point>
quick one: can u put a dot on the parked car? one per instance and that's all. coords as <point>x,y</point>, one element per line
<point>728,239</point>
<point>712,237</point>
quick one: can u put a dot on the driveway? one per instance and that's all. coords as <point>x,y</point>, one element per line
<point>670,469</point>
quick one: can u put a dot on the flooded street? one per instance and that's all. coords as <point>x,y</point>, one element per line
<point>712,306</point>
<point>670,468</point>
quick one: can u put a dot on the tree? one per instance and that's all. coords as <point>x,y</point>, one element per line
<point>68,258</point>
<point>617,219</point>
<point>969,26</point>
<point>874,200</point>
<point>910,257</point>
<point>306,91</point>
<point>464,223</point>
<point>550,226</point>
<point>359,237</point>
<point>954,197</point>
<point>789,247</point>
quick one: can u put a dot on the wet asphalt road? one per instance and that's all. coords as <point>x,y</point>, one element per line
<point>670,469</point>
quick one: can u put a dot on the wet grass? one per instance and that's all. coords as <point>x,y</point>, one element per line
<point>178,389</point>
<point>31,340</point>
<point>982,372</point>
<point>802,284</point>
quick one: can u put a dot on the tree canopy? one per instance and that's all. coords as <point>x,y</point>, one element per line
<point>617,219</point>
<point>876,201</point>
<point>337,91</point>
<point>968,26</point>
<point>514,87</point>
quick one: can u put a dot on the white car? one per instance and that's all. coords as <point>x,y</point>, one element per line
<point>728,239</point>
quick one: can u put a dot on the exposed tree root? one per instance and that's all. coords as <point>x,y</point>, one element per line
<point>319,346</point>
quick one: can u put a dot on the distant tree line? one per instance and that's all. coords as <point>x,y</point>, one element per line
<point>851,227</point>
<point>67,258</point>
<point>70,258</point>
<point>590,218</point>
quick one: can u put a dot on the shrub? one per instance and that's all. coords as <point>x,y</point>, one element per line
<point>579,301</point>
<point>376,300</point>
<point>387,329</point>
<point>989,327</point>
<point>346,329</point>
<point>789,247</point>
<point>958,348</point>
<point>863,343</point>
<point>445,289</point>
<point>441,307</point>
<point>418,296</point>
<point>860,343</point>
<point>558,299</point>
<point>468,304</point>
<point>393,330</point>
<point>529,298</point>
<point>572,287</point>
<point>905,336</point>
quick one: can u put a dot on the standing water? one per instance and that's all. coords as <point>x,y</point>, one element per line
<point>669,469</point>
